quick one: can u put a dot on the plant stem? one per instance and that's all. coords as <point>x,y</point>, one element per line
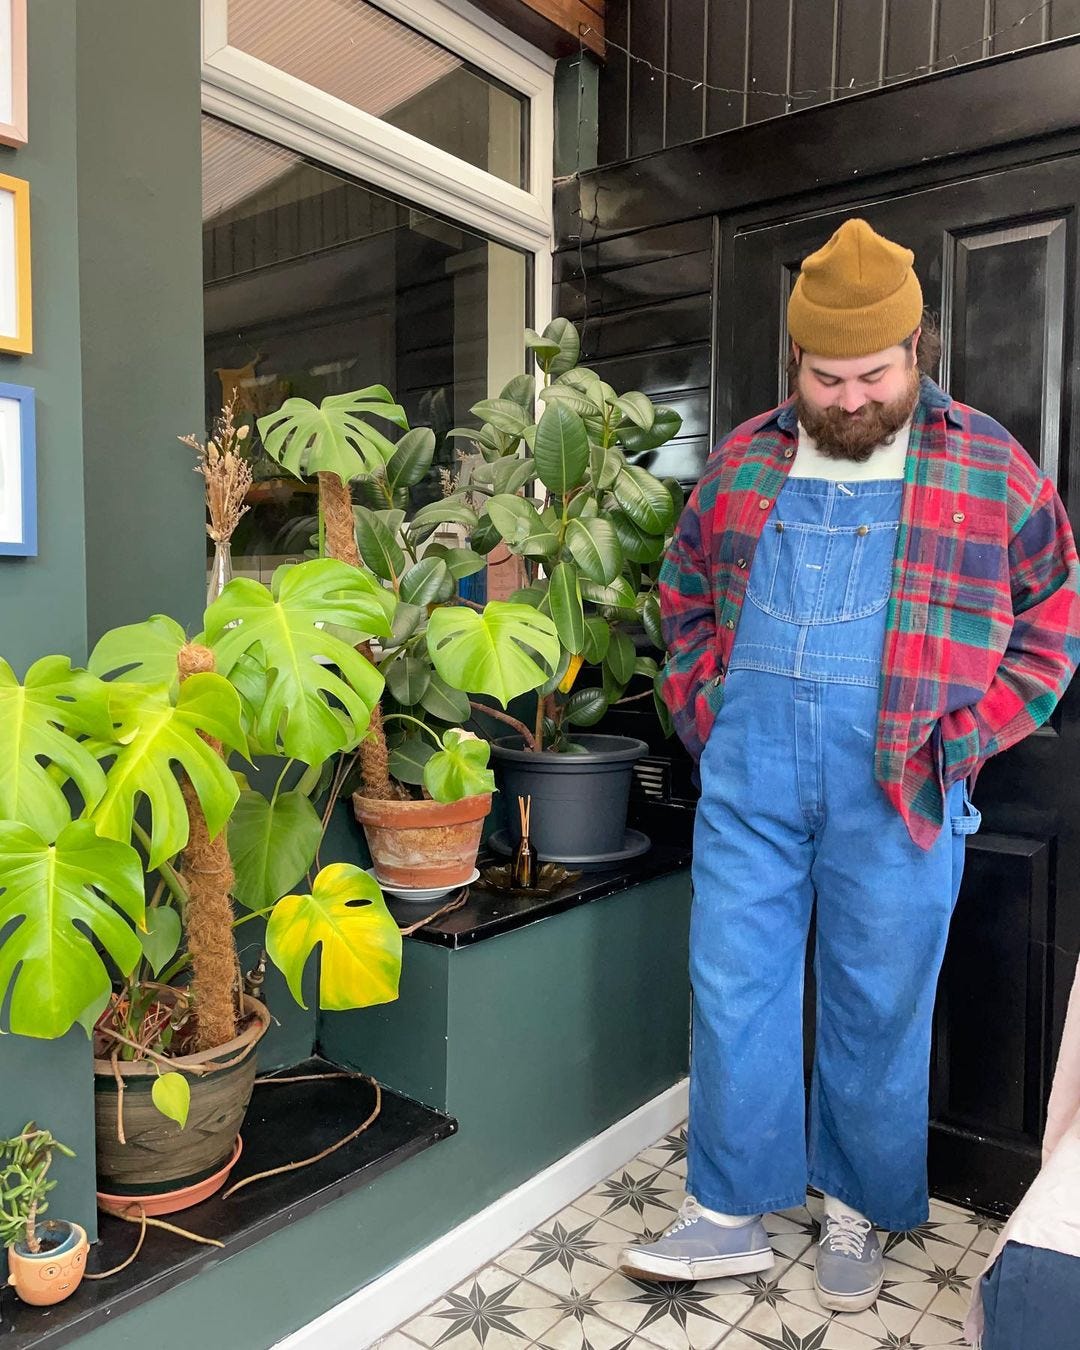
<point>405,717</point>
<point>500,716</point>
<point>169,874</point>
<point>281,778</point>
<point>538,739</point>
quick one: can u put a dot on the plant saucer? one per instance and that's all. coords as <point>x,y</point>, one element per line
<point>422,894</point>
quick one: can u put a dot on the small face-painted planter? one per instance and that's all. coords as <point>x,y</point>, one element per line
<point>55,1271</point>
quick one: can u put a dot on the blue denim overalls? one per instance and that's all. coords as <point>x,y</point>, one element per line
<point>789,813</point>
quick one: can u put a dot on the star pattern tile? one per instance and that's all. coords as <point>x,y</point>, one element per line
<point>559,1287</point>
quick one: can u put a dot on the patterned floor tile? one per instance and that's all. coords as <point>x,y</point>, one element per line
<point>986,1234</point>
<point>586,1333</point>
<point>930,1245</point>
<point>674,1314</point>
<point>952,1288</point>
<point>637,1198</point>
<point>574,1252</point>
<point>559,1288</point>
<point>791,1327</point>
<point>933,1331</point>
<point>494,1309</point>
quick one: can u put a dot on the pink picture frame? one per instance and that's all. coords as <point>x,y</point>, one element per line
<point>13,115</point>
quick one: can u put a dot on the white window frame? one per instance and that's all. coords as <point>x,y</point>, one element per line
<point>264,99</point>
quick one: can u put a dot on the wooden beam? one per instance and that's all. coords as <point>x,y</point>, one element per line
<point>557,27</point>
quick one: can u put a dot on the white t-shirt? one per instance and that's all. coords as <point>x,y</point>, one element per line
<point>887,461</point>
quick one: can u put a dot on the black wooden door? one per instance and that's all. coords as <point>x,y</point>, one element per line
<point>997,256</point>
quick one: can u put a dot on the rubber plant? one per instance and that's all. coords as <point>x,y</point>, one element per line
<point>442,652</point>
<point>590,525</point>
<point>123,779</point>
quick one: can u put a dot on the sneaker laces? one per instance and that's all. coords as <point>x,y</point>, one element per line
<point>689,1212</point>
<point>846,1235</point>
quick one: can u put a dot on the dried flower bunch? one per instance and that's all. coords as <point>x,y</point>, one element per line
<point>226,473</point>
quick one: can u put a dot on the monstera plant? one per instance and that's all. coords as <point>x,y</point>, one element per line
<point>128,826</point>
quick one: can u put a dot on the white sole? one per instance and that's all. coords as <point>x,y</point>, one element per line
<point>846,1303</point>
<point>664,1268</point>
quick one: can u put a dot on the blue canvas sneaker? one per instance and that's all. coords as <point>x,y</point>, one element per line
<point>849,1266</point>
<point>695,1248</point>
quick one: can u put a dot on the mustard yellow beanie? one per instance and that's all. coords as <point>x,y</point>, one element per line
<point>857,295</point>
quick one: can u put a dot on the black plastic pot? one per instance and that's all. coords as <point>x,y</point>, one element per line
<point>579,801</point>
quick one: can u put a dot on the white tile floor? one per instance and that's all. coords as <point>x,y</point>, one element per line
<point>559,1288</point>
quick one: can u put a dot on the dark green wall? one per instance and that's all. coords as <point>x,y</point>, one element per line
<point>114,168</point>
<point>43,599</point>
<point>140,285</point>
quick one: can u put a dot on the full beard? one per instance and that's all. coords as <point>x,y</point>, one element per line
<point>855,436</point>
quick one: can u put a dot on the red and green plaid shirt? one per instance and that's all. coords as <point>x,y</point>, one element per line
<point>983,627</point>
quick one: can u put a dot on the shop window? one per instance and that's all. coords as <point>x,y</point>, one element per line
<point>315,284</point>
<point>372,61</point>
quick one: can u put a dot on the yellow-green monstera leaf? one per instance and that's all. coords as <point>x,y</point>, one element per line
<point>58,911</point>
<point>361,944</point>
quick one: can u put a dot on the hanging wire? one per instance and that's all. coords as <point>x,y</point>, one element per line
<point>829,90</point>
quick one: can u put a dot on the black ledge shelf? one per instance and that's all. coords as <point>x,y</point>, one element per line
<point>488,914</point>
<point>283,1124</point>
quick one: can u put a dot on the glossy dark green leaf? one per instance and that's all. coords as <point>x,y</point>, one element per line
<point>565,334</point>
<point>411,459</point>
<point>445,703</point>
<point>378,547</point>
<point>503,414</point>
<point>594,546</point>
<point>562,449</point>
<point>638,409</point>
<point>637,545</point>
<point>522,391</point>
<point>564,597</point>
<point>636,441</point>
<point>448,511</point>
<point>606,462</point>
<point>585,707</point>
<point>407,678</point>
<point>426,582</point>
<point>650,617</point>
<point>597,638</point>
<point>621,657</point>
<point>408,759</point>
<point>644,499</point>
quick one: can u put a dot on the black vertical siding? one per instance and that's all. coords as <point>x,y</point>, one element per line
<point>768,57</point>
<point>643,304</point>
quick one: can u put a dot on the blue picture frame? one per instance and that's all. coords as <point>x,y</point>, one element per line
<point>18,466</point>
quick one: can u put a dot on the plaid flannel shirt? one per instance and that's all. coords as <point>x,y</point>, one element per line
<point>983,627</point>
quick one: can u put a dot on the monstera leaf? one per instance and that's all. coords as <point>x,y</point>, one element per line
<point>361,944</point>
<point>157,733</point>
<point>272,844</point>
<point>333,437</point>
<point>307,666</point>
<point>145,652</point>
<point>39,723</point>
<point>62,899</point>
<point>497,652</point>
<point>460,768</point>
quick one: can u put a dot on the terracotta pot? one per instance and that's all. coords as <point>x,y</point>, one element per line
<point>426,844</point>
<point>158,1157</point>
<point>168,1202</point>
<point>47,1277</point>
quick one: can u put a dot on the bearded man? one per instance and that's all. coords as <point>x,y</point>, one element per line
<point>871,591</point>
